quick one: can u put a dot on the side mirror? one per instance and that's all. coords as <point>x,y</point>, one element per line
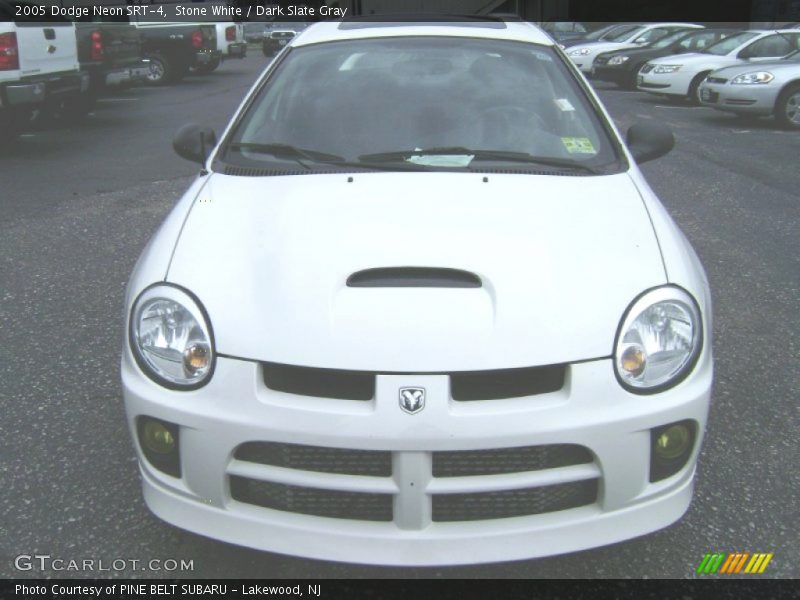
<point>194,143</point>
<point>648,140</point>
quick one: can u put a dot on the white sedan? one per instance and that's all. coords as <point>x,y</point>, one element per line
<point>680,76</point>
<point>420,307</point>
<point>583,55</point>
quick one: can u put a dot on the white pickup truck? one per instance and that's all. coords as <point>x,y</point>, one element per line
<point>39,68</point>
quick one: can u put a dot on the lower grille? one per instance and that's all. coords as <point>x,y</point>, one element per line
<point>314,458</point>
<point>312,501</point>
<point>513,503</point>
<point>508,460</point>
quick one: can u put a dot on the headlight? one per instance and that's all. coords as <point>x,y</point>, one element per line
<point>171,338</point>
<point>666,68</point>
<point>658,341</point>
<point>618,60</point>
<point>579,52</point>
<point>753,78</point>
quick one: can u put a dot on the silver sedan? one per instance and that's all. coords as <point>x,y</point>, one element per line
<point>762,89</point>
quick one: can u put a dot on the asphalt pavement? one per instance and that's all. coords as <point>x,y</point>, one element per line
<point>78,204</point>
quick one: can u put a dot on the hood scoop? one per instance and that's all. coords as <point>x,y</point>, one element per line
<point>415,277</point>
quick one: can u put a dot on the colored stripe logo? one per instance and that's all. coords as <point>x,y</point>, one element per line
<point>734,563</point>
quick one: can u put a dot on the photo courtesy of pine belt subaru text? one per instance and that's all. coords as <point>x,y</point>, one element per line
<point>420,307</point>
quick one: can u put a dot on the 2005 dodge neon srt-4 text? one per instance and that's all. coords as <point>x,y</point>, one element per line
<point>419,307</point>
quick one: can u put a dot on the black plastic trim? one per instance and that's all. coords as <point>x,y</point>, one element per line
<point>418,277</point>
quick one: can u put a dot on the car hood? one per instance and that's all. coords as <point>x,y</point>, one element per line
<point>559,257</point>
<point>774,66</point>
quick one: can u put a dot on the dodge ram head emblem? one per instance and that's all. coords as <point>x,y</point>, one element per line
<point>412,399</point>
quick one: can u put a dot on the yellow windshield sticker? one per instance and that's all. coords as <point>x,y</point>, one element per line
<point>578,145</point>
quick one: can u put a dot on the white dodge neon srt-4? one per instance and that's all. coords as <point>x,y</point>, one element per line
<point>419,307</point>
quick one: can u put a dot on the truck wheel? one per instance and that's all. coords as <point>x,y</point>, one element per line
<point>207,68</point>
<point>787,107</point>
<point>161,70</point>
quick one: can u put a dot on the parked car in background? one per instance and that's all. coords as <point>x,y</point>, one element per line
<point>254,32</point>
<point>563,31</point>
<point>174,48</point>
<point>680,76</point>
<point>762,89</point>
<point>542,385</point>
<point>603,33</point>
<point>230,44</point>
<point>111,52</point>
<point>583,55</point>
<point>275,40</point>
<point>622,66</point>
<point>39,71</point>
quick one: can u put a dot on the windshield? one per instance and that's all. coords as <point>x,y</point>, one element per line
<point>729,44</point>
<point>670,39</point>
<point>421,102</point>
<point>624,35</point>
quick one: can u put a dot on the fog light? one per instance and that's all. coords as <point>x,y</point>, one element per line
<point>157,437</point>
<point>673,442</point>
<point>670,448</point>
<point>159,441</point>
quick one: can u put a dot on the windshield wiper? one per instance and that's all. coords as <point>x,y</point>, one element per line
<point>490,155</point>
<point>301,155</point>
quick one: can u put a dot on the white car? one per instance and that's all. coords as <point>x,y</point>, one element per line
<point>583,55</point>
<point>420,307</point>
<point>681,75</point>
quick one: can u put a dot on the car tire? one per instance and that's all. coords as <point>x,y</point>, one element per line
<point>207,68</point>
<point>694,88</point>
<point>162,71</point>
<point>629,80</point>
<point>787,107</point>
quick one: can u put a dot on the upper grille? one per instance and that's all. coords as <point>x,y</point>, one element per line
<point>506,383</point>
<point>312,501</point>
<point>321,383</point>
<point>508,460</point>
<point>601,60</point>
<point>464,385</point>
<point>716,80</point>
<point>375,463</point>
<point>513,503</point>
<point>647,68</point>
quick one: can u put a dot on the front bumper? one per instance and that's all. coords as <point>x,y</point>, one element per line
<point>671,84</point>
<point>590,410</point>
<point>618,75</point>
<point>753,99</point>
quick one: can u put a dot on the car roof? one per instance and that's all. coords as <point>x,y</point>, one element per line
<point>329,31</point>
